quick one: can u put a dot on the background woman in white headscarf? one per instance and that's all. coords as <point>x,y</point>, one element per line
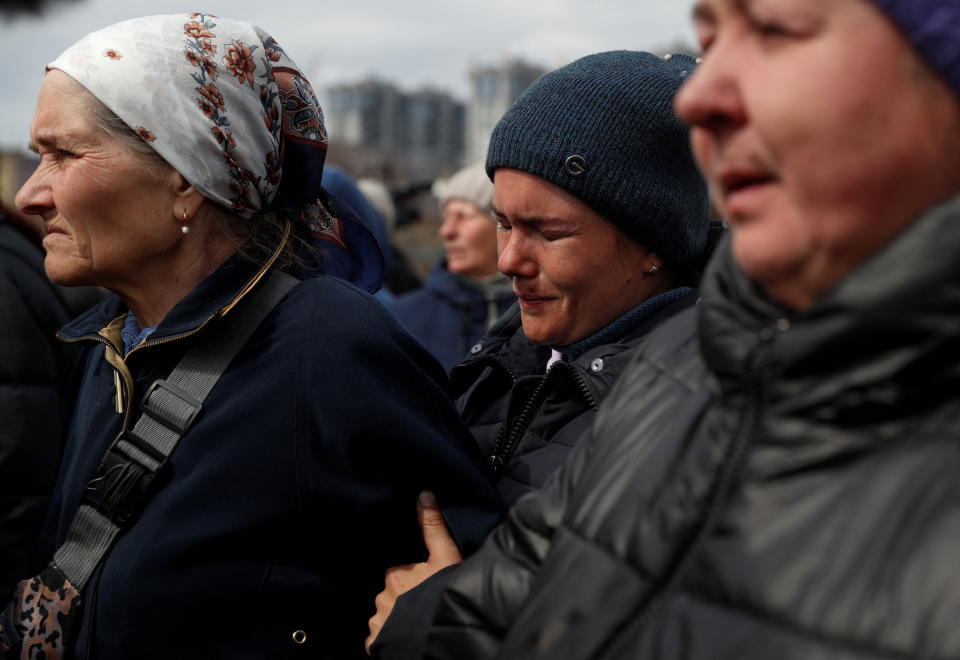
<point>181,159</point>
<point>465,293</point>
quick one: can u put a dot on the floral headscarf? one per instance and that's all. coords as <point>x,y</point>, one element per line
<point>224,105</point>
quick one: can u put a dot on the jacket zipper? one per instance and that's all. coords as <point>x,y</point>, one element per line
<point>507,444</point>
<point>123,382</point>
<point>487,360</point>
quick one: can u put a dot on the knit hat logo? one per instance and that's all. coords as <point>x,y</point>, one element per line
<point>603,129</point>
<point>575,165</point>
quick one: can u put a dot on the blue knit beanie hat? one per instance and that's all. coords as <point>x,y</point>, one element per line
<point>603,129</point>
<point>933,26</point>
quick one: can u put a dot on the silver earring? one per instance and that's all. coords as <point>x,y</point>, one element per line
<point>184,229</point>
<point>653,271</point>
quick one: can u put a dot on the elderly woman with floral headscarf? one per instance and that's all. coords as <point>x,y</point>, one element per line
<point>181,159</point>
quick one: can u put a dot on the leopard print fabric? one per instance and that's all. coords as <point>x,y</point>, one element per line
<point>42,614</point>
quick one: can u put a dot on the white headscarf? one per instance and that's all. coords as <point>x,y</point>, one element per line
<point>224,105</point>
<point>471,183</point>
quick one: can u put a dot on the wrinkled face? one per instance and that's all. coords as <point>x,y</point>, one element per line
<point>105,213</point>
<point>821,133</point>
<point>470,238</point>
<point>572,271</point>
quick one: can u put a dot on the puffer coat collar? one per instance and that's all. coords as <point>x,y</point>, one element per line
<point>880,347</point>
<point>459,291</point>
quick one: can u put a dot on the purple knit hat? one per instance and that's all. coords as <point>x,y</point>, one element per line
<point>933,26</point>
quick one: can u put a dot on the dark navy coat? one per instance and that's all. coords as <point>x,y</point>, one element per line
<point>447,315</point>
<point>293,492</point>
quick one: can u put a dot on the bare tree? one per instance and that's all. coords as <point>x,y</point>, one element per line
<point>11,9</point>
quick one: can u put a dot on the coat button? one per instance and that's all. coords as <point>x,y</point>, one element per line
<point>476,348</point>
<point>596,366</point>
<point>299,637</point>
<point>575,165</point>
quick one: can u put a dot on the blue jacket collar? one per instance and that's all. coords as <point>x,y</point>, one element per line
<point>210,297</point>
<point>456,289</point>
<point>624,325</point>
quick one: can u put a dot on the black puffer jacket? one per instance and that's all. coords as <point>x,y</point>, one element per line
<point>527,420</point>
<point>33,374</point>
<point>758,485</point>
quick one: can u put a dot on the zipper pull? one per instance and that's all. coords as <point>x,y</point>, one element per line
<point>118,404</point>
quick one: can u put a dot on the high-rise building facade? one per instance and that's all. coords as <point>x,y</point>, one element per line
<point>418,135</point>
<point>493,89</point>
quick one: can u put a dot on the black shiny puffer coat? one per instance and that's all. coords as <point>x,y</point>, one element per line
<point>758,485</point>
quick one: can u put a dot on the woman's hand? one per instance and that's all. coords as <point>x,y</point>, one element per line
<point>442,551</point>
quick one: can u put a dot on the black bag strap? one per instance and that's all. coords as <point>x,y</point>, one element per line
<point>169,408</point>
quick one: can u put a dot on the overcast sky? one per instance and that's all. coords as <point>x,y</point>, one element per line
<point>411,43</point>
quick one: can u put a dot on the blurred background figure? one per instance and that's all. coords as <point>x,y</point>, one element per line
<point>399,277</point>
<point>465,294</point>
<point>346,189</point>
<point>34,370</point>
<point>10,9</point>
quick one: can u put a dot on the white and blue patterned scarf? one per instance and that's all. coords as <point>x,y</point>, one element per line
<point>224,105</point>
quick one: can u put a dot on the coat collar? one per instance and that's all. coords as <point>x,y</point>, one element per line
<point>214,296</point>
<point>462,292</point>
<point>890,331</point>
<point>506,347</point>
